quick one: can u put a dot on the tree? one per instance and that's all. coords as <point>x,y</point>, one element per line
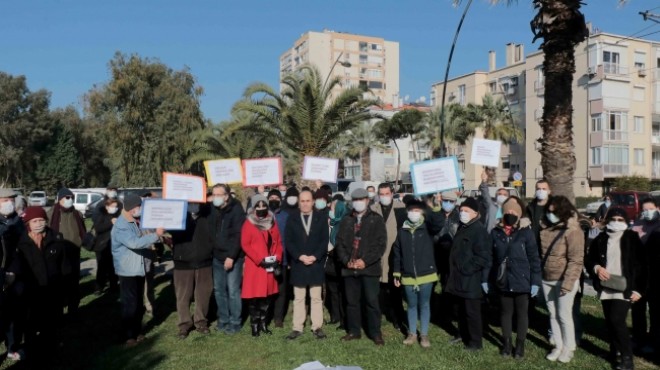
<point>60,161</point>
<point>389,130</point>
<point>412,122</point>
<point>148,112</point>
<point>562,27</point>
<point>459,127</point>
<point>360,142</point>
<point>305,117</point>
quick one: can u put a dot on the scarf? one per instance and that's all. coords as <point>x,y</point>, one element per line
<point>57,215</point>
<point>413,226</point>
<point>340,212</point>
<point>265,223</point>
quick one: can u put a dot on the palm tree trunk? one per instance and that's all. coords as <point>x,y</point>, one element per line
<point>365,159</point>
<point>398,164</point>
<point>341,169</point>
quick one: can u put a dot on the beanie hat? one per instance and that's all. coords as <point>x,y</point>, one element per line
<point>321,194</point>
<point>617,211</point>
<point>34,212</point>
<point>292,192</point>
<point>258,198</point>
<point>63,193</point>
<point>512,205</point>
<point>274,192</point>
<point>417,204</point>
<point>471,203</point>
<point>131,201</point>
<point>408,198</point>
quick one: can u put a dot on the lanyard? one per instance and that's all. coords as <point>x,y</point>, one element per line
<point>307,225</point>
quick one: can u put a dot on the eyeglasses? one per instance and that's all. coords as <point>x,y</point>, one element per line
<point>618,219</point>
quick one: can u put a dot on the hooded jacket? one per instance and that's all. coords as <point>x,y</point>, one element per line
<point>566,258</point>
<point>522,254</point>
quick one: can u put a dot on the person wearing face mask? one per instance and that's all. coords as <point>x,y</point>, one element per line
<point>516,273</point>
<point>372,195</point>
<point>536,208</point>
<point>334,298</point>
<point>129,244</point>
<point>110,193</point>
<point>66,220</point>
<point>413,268</point>
<point>361,242</point>
<point>39,272</point>
<point>262,243</point>
<point>281,304</point>
<point>290,200</point>
<point>493,209</point>
<point>282,189</point>
<point>322,201</point>
<point>225,220</point>
<point>105,272</point>
<point>615,254</point>
<point>469,266</point>
<point>562,257</point>
<point>390,297</point>
<point>601,213</point>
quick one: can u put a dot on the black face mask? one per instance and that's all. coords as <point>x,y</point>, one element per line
<point>273,205</point>
<point>261,213</point>
<point>509,219</point>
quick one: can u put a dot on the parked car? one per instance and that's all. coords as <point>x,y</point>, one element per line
<point>83,199</point>
<point>492,190</point>
<point>630,201</point>
<point>89,210</point>
<point>37,198</point>
<point>592,207</point>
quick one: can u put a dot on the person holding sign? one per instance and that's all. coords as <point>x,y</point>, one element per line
<point>261,242</point>
<point>493,209</point>
<point>128,247</point>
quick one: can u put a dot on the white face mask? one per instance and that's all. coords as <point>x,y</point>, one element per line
<point>541,194</point>
<point>617,226</point>
<point>386,201</point>
<point>465,217</point>
<point>501,199</point>
<point>218,200</point>
<point>68,203</point>
<point>7,208</point>
<point>137,213</point>
<point>292,201</point>
<point>39,228</point>
<point>414,216</point>
<point>320,204</point>
<point>552,217</point>
<point>359,206</point>
<point>111,194</point>
<point>649,214</point>
<point>111,210</point>
<point>371,195</point>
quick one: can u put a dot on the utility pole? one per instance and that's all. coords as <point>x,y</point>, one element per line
<point>648,16</point>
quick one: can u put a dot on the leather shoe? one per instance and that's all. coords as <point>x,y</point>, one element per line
<point>319,334</point>
<point>293,335</point>
<point>349,337</point>
<point>182,335</point>
<point>378,340</point>
<point>203,330</point>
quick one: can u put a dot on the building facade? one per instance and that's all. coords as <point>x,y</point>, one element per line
<point>368,62</point>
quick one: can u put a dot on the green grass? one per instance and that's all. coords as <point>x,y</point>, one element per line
<point>95,343</point>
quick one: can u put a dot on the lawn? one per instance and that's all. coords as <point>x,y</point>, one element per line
<point>94,343</point>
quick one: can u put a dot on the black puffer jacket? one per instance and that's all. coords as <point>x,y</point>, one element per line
<point>523,263</point>
<point>632,261</point>
<point>372,244</point>
<point>413,253</point>
<point>469,260</point>
<point>224,225</point>
<point>103,226</point>
<point>192,249</point>
<point>40,269</point>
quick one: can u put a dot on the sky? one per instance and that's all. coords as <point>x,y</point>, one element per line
<point>64,46</point>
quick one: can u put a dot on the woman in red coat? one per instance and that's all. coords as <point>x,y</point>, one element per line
<point>260,240</point>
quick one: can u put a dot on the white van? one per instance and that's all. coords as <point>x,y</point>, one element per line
<point>82,199</point>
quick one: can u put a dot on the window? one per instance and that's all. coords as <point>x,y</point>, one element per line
<point>375,85</point>
<point>492,87</point>
<point>595,156</point>
<point>363,85</point>
<point>639,125</point>
<point>639,157</point>
<point>617,126</point>
<point>363,59</point>
<point>364,46</point>
<point>639,66</point>
<point>596,124</point>
<point>375,73</point>
<point>615,159</point>
<point>376,47</point>
<point>461,95</point>
<point>81,199</point>
<point>611,62</point>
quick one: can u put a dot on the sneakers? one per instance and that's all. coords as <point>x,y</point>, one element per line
<point>566,356</point>
<point>424,341</point>
<point>410,339</point>
<point>319,334</point>
<point>553,355</point>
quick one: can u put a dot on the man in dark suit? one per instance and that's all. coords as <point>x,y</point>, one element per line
<point>306,239</point>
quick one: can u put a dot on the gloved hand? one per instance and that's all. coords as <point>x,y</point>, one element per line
<point>535,290</point>
<point>484,287</point>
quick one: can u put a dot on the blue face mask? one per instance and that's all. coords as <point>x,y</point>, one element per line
<point>448,206</point>
<point>608,203</point>
<point>320,204</point>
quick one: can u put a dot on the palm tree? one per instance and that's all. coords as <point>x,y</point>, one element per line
<point>361,140</point>
<point>562,27</point>
<point>459,127</point>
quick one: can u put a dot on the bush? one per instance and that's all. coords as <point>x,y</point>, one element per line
<point>634,182</point>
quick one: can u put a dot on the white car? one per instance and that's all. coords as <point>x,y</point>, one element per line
<point>592,207</point>
<point>37,198</point>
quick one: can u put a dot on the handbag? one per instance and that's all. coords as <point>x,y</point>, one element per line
<point>615,282</point>
<point>89,240</point>
<point>502,280</point>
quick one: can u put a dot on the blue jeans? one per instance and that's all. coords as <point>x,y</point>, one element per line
<point>419,300</point>
<point>227,290</point>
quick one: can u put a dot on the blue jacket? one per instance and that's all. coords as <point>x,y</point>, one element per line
<point>129,247</point>
<point>524,262</point>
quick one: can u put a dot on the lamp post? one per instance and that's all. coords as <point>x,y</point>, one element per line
<point>344,64</point>
<point>444,85</point>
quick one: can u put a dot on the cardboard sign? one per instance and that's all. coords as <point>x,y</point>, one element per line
<point>486,152</point>
<point>164,213</point>
<point>324,169</point>
<point>436,175</point>
<point>184,187</point>
<point>263,171</point>
<point>224,171</point>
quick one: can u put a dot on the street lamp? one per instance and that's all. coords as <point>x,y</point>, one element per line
<point>345,64</point>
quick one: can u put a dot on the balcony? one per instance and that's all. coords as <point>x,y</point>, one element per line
<point>611,135</point>
<point>611,170</point>
<point>539,87</point>
<point>655,172</point>
<point>655,140</point>
<point>615,71</point>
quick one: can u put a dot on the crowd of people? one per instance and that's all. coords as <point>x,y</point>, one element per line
<point>360,258</point>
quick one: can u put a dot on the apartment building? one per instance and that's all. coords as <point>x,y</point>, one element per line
<point>368,62</point>
<point>616,117</point>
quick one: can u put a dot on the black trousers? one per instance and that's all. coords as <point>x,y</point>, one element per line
<point>258,308</point>
<point>362,291</point>
<point>334,299</point>
<point>105,270</point>
<point>281,303</point>
<point>469,322</point>
<point>518,303</point>
<point>391,303</point>
<point>616,311</point>
<point>72,281</point>
<point>43,316</point>
<point>132,307</point>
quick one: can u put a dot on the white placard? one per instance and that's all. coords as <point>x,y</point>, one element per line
<point>224,171</point>
<point>434,176</point>
<point>324,169</point>
<point>184,187</point>
<point>486,152</point>
<point>263,171</point>
<point>164,213</point>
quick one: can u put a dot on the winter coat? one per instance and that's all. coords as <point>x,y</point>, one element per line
<point>413,253</point>
<point>491,207</point>
<point>652,261</point>
<point>316,244</point>
<point>372,244</point>
<point>632,261</point>
<point>443,227</point>
<point>601,212</point>
<point>192,249</point>
<point>566,259</point>
<point>257,282</point>
<point>535,215</point>
<point>523,261</point>
<point>469,260</point>
<point>70,226</point>
<point>391,225</point>
<point>129,247</point>
<point>11,230</point>
<point>103,226</point>
<point>225,226</point>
